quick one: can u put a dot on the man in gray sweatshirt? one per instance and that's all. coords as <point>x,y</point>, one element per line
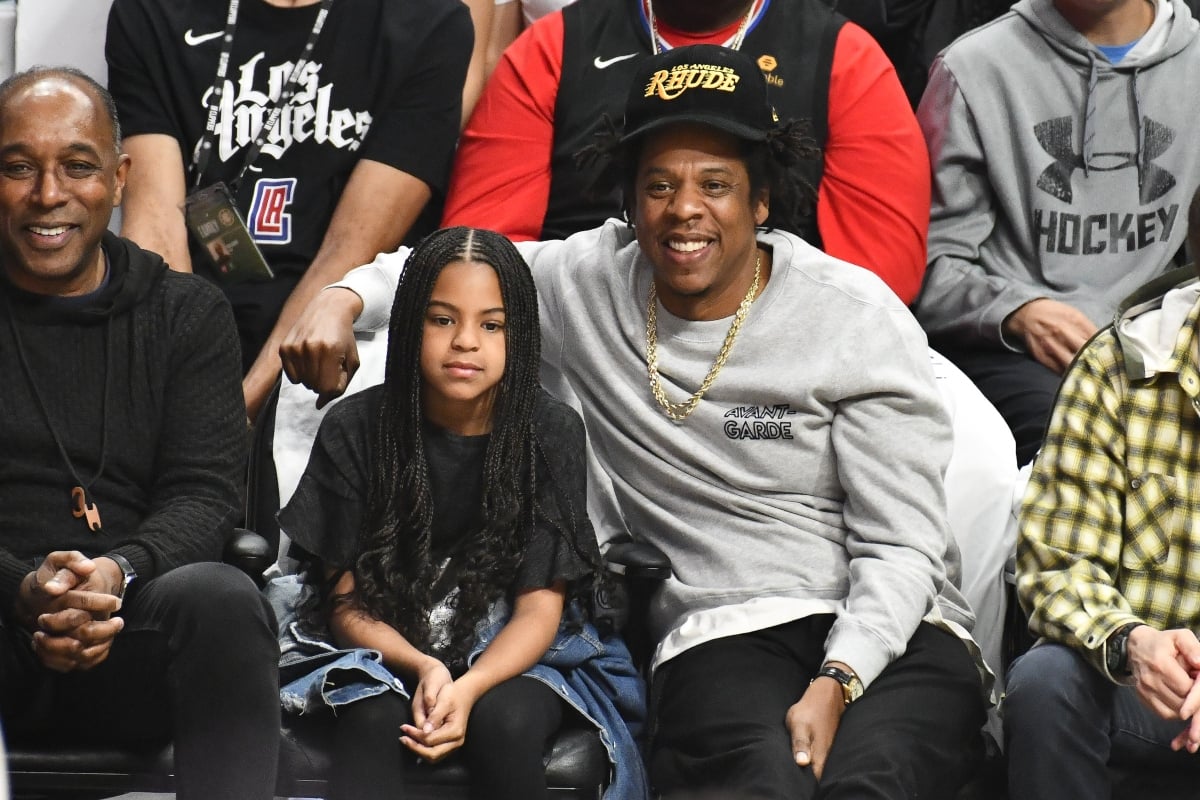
<point>765,414</point>
<point>1061,176</point>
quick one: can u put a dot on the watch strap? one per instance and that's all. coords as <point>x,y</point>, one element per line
<point>1116,654</point>
<point>127,570</point>
<point>851,685</point>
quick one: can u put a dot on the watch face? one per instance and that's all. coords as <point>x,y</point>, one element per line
<point>1115,656</point>
<point>852,687</point>
<point>1116,651</point>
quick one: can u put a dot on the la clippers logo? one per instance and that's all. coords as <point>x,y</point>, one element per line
<point>1055,137</point>
<point>270,222</point>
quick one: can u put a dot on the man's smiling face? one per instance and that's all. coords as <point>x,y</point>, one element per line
<point>60,178</point>
<point>695,216</point>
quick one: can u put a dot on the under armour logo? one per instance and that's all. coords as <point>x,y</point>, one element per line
<point>1055,137</point>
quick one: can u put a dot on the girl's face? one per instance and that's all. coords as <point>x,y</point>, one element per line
<point>463,349</point>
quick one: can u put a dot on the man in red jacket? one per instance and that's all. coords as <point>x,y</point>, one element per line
<point>515,171</point>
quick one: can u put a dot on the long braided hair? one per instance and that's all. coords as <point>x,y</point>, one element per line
<point>394,573</point>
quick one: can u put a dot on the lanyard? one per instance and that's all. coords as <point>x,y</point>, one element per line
<point>204,153</point>
<point>83,505</point>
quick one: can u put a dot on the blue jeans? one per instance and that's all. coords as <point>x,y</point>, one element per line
<point>1065,723</point>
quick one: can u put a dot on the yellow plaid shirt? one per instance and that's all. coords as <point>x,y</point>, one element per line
<point>1110,523</point>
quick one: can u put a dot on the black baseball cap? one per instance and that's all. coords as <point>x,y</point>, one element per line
<point>704,83</point>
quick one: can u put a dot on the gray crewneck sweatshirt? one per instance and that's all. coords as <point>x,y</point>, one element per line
<point>809,478</point>
<point>1055,173</point>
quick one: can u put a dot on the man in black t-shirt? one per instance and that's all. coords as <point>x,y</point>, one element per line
<point>352,160</point>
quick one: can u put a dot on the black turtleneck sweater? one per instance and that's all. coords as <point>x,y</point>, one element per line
<point>174,419</point>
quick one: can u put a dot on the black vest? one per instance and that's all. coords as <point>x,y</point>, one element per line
<point>795,38</point>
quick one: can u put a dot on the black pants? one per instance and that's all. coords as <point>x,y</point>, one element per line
<point>1021,388</point>
<point>507,734</point>
<point>197,662</point>
<point>720,731</point>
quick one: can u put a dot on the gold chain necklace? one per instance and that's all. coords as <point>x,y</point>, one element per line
<point>734,44</point>
<point>681,411</point>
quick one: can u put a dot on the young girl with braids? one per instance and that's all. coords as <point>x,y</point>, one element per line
<point>434,503</point>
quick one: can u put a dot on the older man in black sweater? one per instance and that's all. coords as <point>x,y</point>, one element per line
<point>123,434</point>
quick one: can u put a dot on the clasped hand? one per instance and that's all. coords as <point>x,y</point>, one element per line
<point>68,603</point>
<point>440,708</point>
<point>1165,666</point>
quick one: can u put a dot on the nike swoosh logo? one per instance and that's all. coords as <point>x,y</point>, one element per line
<point>605,63</point>
<point>194,39</point>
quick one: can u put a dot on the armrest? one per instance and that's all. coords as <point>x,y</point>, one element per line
<point>637,560</point>
<point>619,605</point>
<point>249,552</point>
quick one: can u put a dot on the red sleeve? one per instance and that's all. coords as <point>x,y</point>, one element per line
<point>501,176</point>
<point>873,201</point>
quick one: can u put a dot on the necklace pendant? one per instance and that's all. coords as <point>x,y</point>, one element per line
<point>681,411</point>
<point>82,509</point>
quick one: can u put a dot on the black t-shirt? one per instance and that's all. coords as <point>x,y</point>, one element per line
<point>384,83</point>
<point>325,514</point>
<point>456,482</point>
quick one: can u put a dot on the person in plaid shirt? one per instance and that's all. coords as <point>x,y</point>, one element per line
<point>1108,557</point>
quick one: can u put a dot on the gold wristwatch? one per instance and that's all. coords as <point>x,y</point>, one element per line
<point>852,687</point>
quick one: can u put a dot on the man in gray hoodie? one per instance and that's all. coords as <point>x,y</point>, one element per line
<point>1061,177</point>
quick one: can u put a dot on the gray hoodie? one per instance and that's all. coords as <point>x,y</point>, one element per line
<point>1056,173</point>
